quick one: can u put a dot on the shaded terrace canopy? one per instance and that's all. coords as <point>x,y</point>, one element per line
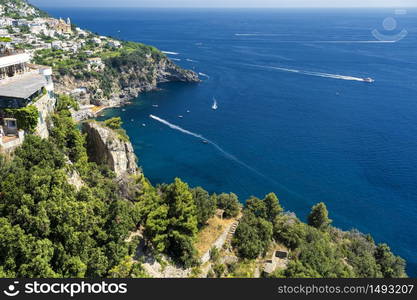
<point>22,87</point>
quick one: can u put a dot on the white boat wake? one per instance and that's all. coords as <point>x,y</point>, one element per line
<point>204,75</point>
<point>352,42</point>
<point>190,60</point>
<point>224,153</point>
<point>175,59</point>
<point>310,73</point>
<point>169,52</point>
<point>217,147</point>
<point>260,34</point>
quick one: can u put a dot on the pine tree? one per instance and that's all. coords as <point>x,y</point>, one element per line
<point>273,207</point>
<point>206,205</point>
<point>319,216</point>
<point>182,222</point>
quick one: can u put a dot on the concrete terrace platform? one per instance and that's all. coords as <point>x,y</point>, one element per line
<point>22,86</point>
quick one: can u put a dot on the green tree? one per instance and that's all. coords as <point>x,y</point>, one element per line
<point>290,231</point>
<point>391,266</point>
<point>273,207</point>
<point>156,227</point>
<point>74,267</point>
<point>319,216</point>
<point>66,135</point>
<point>66,102</point>
<point>253,236</point>
<point>50,229</point>
<point>114,123</point>
<point>205,205</point>
<point>153,214</point>
<point>319,254</point>
<point>27,117</point>
<point>182,226</point>
<point>296,269</point>
<point>229,203</point>
<point>128,268</point>
<point>360,255</point>
<point>257,207</point>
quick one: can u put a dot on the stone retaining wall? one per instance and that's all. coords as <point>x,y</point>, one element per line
<point>218,244</point>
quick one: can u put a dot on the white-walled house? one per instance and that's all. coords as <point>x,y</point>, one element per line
<point>23,84</point>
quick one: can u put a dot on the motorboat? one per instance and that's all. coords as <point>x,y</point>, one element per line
<point>214,106</point>
<point>368,79</point>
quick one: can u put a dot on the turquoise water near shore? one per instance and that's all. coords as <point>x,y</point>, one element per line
<point>293,117</point>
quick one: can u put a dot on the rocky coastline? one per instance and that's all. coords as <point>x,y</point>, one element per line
<point>127,85</point>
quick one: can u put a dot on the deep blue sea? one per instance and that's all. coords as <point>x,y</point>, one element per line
<point>293,115</point>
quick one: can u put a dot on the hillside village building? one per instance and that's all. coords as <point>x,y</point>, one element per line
<point>61,26</point>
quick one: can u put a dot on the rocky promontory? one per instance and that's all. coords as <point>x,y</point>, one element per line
<point>106,146</point>
<point>119,83</point>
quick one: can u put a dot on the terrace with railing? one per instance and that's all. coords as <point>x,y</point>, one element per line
<point>22,84</point>
<point>8,52</point>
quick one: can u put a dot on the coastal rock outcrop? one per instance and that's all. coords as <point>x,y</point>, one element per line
<point>126,81</point>
<point>106,146</point>
<point>168,71</point>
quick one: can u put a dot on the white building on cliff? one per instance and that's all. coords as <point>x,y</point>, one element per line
<point>23,84</point>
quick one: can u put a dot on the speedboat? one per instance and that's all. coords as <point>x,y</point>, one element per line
<point>368,79</point>
<point>204,141</point>
<point>180,117</point>
<point>155,105</point>
<point>214,106</point>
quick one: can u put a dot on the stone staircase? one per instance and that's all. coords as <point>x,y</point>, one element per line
<point>232,230</point>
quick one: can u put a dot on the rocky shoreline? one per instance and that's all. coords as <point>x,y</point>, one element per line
<point>127,85</point>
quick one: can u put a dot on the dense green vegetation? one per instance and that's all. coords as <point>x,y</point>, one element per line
<point>27,117</point>
<point>5,39</point>
<point>254,233</point>
<point>62,62</point>
<point>205,204</point>
<point>116,125</point>
<point>229,203</point>
<point>12,13</point>
<point>130,56</point>
<point>52,229</point>
<point>316,249</point>
<point>49,229</point>
<point>66,102</point>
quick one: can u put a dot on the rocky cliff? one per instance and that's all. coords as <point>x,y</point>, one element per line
<point>106,146</point>
<point>123,79</point>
